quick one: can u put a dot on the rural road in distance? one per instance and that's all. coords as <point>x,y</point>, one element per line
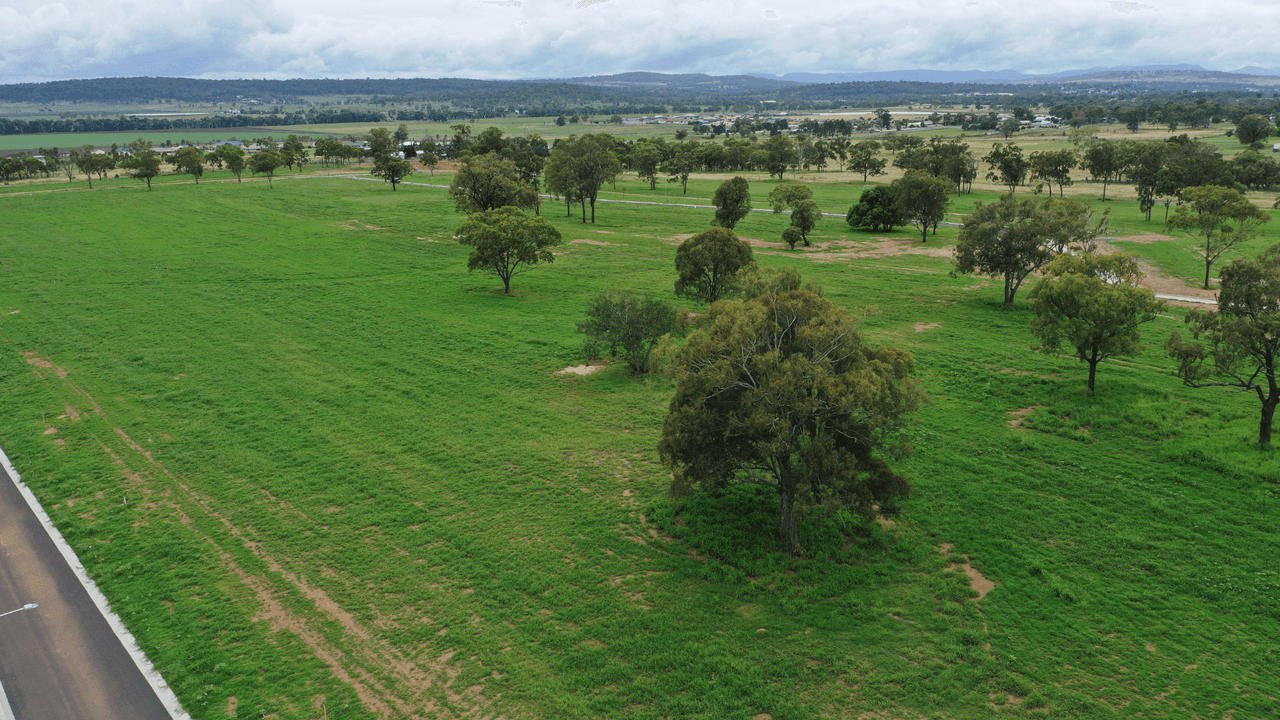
<point>60,661</point>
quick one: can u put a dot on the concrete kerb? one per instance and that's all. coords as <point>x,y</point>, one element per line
<point>148,670</point>
<point>6,712</point>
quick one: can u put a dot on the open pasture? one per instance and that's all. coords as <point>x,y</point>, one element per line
<point>322,470</point>
<point>66,141</point>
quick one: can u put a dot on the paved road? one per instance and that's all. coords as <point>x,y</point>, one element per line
<point>60,661</point>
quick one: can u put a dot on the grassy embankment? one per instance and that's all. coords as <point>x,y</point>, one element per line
<point>357,486</point>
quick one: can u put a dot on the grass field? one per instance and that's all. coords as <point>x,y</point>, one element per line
<point>66,141</point>
<point>357,486</point>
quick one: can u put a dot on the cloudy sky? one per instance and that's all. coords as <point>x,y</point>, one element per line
<point>43,40</point>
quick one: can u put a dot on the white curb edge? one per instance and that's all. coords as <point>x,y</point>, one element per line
<point>148,670</point>
<point>6,712</point>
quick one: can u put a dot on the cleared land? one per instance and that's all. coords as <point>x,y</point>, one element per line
<point>358,484</point>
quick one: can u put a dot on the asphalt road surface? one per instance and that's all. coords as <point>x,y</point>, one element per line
<point>60,661</point>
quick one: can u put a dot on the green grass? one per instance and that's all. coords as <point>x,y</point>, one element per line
<point>66,141</point>
<point>352,471</point>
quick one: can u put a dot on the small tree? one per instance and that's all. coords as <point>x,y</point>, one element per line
<point>1093,303</point>
<point>1008,166</point>
<point>804,217</point>
<point>627,325</point>
<point>1242,336</point>
<point>1102,159</point>
<point>1012,239</point>
<point>233,157</point>
<point>1219,217</point>
<point>506,242</point>
<point>391,169</point>
<point>293,152</point>
<point>1053,166</point>
<point>645,160</point>
<point>708,264</point>
<point>787,195</point>
<point>142,162</point>
<point>780,391</point>
<point>732,201</point>
<point>1009,126</point>
<point>877,209</point>
<point>266,162</point>
<point>862,158</point>
<point>1254,129</point>
<point>190,160</point>
<point>792,235</point>
<point>89,162</point>
<point>922,200</point>
<point>487,182</point>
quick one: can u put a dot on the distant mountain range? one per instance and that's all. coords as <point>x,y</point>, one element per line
<point>988,76</point>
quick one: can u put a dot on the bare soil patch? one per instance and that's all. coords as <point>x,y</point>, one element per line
<point>921,327</point>
<point>1158,281</point>
<point>1017,416</point>
<point>354,224</point>
<point>581,369</point>
<point>44,365</point>
<point>584,241</point>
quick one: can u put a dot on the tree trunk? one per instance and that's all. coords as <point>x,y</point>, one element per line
<point>1269,404</point>
<point>788,529</point>
<point>506,284</point>
<point>593,210</point>
<point>1093,371</point>
<point>1207,265</point>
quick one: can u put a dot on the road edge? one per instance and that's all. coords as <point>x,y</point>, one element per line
<point>6,712</point>
<point>162,690</point>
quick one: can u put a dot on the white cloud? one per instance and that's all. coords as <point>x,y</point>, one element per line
<point>555,38</point>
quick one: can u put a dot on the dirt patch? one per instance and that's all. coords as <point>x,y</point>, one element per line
<point>581,369</point>
<point>584,241</point>
<point>1144,238</point>
<point>976,579</point>
<point>44,365</point>
<point>683,237</point>
<point>1017,416</point>
<point>1159,282</point>
<point>51,430</point>
<point>233,702</point>
<point>921,327</point>
<point>354,224</point>
<point>885,247</point>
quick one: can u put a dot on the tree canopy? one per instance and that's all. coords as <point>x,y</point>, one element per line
<point>1219,218</point>
<point>1012,239</point>
<point>781,391</point>
<point>922,200</point>
<point>1094,304</point>
<point>488,182</point>
<point>505,241</point>
<point>623,324</point>
<point>1254,128</point>
<point>708,264</point>
<point>265,162</point>
<point>141,162</point>
<point>580,166</point>
<point>1241,340</point>
<point>877,209</point>
<point>732,201</point>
